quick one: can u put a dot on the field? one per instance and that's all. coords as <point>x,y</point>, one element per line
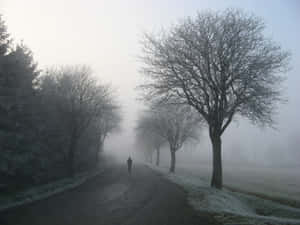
<point>251,196</point>
<point>279,183</point>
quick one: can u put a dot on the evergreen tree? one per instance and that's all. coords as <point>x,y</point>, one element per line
<point>17,106</point>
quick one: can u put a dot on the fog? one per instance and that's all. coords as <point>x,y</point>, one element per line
<point>106,35</point>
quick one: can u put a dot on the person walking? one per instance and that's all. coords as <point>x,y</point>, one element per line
<point>129,164</point>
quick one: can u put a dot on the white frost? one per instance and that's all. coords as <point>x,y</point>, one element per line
<point>231,207</point>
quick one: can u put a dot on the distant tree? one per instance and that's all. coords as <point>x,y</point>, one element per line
<point>175,124</point>
<point>158,143</point>
<point>150,137</point>
<point>222,65</point>
<point>108,119</point>
<point>144,145</point>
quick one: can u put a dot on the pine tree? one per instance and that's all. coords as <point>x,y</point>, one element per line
<point>17,109</point>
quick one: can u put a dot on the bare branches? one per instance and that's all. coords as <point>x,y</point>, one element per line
<point>174,124</point>
<point>82,105</point>
<point>219,63</point>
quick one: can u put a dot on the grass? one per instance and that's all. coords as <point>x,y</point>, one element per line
<point>284,201</point>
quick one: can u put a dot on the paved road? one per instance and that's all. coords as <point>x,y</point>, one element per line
<point>113,198</point>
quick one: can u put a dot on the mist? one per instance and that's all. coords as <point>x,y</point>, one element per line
<point>105,35</point>
<point>98,124</point>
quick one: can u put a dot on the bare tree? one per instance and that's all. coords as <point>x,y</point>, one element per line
<point>158,142</point>
<point>150,137</point>
<point>175,124</point>
<point>108,120</point>
<point>222,65</point>
<point>79,100</point>
<point>144,144</point>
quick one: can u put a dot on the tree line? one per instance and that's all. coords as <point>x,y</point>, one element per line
<point>222,65</point>
<point>53,122</point>
<point>171,125</point>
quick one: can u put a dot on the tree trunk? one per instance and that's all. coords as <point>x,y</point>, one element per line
<point>157,156</point>
<point>217,177</point>
<point>173,161</point>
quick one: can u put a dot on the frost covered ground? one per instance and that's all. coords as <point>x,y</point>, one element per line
<point>45,191</point>
<point>231,207</point>
<point>272,182</point>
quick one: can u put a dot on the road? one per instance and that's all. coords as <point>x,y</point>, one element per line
<point>112,198</point>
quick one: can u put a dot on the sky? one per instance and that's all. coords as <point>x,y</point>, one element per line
<point>106,34</point>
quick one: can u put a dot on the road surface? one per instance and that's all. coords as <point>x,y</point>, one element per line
<point>112,198</point>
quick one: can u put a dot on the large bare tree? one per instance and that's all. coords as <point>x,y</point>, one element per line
<point>221,64</point>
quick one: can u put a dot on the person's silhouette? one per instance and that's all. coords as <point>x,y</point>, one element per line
<point>129,164</point>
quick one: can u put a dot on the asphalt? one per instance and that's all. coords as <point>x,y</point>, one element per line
<point>113,198</point>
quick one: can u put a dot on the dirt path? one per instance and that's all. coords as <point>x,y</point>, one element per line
<point>113,198</point>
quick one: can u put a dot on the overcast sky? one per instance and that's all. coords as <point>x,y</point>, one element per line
<point>105,35</point>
